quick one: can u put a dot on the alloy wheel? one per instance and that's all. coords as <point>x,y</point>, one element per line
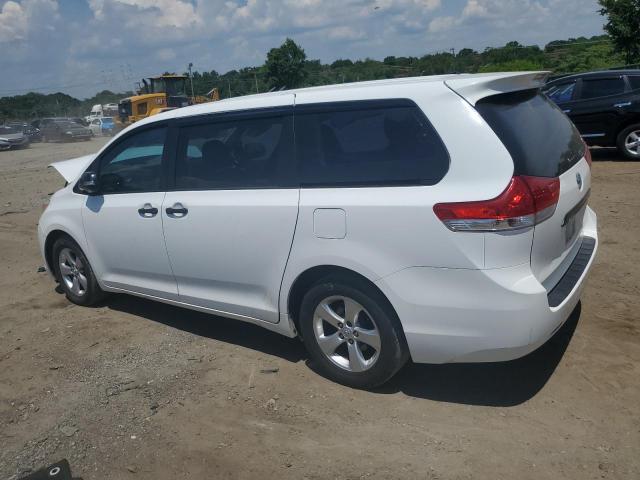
<point>72,271</point>
<point>632,143</point>
<point>346,333</point>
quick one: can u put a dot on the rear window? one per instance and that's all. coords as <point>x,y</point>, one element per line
<point>541,139</point>
<point>561,93</point>
<point>368,143</point>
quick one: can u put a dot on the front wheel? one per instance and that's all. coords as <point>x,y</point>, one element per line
<point>75,274</point>
<point>629,142</point>
<point>351,332</point>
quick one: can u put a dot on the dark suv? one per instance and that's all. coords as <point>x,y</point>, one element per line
<point>605,106</point>
<point>63,130</point>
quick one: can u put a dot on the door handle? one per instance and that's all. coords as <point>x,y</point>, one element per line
<point>148,211</point>
<point>623,104</point>
<point>177,210</point>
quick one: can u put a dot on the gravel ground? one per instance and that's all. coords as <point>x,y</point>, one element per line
<point>138,389</point>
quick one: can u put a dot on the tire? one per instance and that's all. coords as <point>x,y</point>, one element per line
<point>75,274</point>
<point>629,136</point>
<point>337,346</point>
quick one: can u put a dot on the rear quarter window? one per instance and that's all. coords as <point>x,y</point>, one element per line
<point>367,143</point>
<point>540,138</point>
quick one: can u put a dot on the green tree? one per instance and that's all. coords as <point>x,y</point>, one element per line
<point>623,24</point>
<point>285,65</point>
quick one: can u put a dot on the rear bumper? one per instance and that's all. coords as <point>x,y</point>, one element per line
<point>460,315</point>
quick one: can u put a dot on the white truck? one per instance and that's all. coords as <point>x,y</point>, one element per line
<point>99,111</point>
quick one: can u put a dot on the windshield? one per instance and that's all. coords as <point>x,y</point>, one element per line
<point>172,86</point>
<point>9,130</point>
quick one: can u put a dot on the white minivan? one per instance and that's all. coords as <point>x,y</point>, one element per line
<point>442,219</point>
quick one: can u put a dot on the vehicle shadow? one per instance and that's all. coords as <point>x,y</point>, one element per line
<point>605,154</point>
<point>500,384</point>
<point>211,326</point>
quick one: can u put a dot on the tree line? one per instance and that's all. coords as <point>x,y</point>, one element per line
<point>288,67</point>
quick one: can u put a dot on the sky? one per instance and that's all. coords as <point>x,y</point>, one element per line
<point>81,47</point>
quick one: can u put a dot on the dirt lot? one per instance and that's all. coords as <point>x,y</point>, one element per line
<point>137,389</point>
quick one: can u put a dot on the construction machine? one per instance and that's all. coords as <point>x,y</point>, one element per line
<point>158,94</point>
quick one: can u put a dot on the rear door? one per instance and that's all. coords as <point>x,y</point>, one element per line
<point>230,217</point>
<point>598,109</point>
<point>544,143</point>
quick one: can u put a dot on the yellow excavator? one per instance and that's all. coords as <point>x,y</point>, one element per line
<point>158,94</point>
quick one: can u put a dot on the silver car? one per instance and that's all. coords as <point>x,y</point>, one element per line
<point>11,137</point>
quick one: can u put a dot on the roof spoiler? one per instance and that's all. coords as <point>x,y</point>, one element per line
<point>473,88</point>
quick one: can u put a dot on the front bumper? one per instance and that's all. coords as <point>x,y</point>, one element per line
<point>461,315</point>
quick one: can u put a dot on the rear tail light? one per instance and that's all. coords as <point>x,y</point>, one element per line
<point>526,202</point>
<point>587,153</point>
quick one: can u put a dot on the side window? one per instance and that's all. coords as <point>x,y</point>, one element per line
<point>366,143</point>
<point>240,153</point>
<point>634,80</point>
<point>561,93</point>
<point>135,165</point>
<point>601,87</point>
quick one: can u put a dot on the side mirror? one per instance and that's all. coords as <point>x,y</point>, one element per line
<point>88,183</point>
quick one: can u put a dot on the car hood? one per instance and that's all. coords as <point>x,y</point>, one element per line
<point>71,169</point>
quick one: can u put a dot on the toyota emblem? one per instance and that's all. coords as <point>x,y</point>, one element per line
<point>579,180</point>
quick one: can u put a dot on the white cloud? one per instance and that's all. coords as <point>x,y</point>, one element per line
<point>160,13</point>
<point>440,24</point>
<point>48,45</point>
<point>523,18</point>
<point>165,54</point>
<point>13,22</point>
<point>475,8</point>
<point>17,20</point>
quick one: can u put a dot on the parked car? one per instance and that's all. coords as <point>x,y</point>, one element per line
<point>605,106</point>
<point>103,126</point>
<point>30,131</point>
<point>12,137</point>
<point>40,123</point>
<point>64,131</point>
<point>427,218</point>
<point>79,121</point>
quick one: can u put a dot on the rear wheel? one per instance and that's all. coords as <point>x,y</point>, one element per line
<point>75,274</point>
<point>351,333</point>
<point>629,142</point>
